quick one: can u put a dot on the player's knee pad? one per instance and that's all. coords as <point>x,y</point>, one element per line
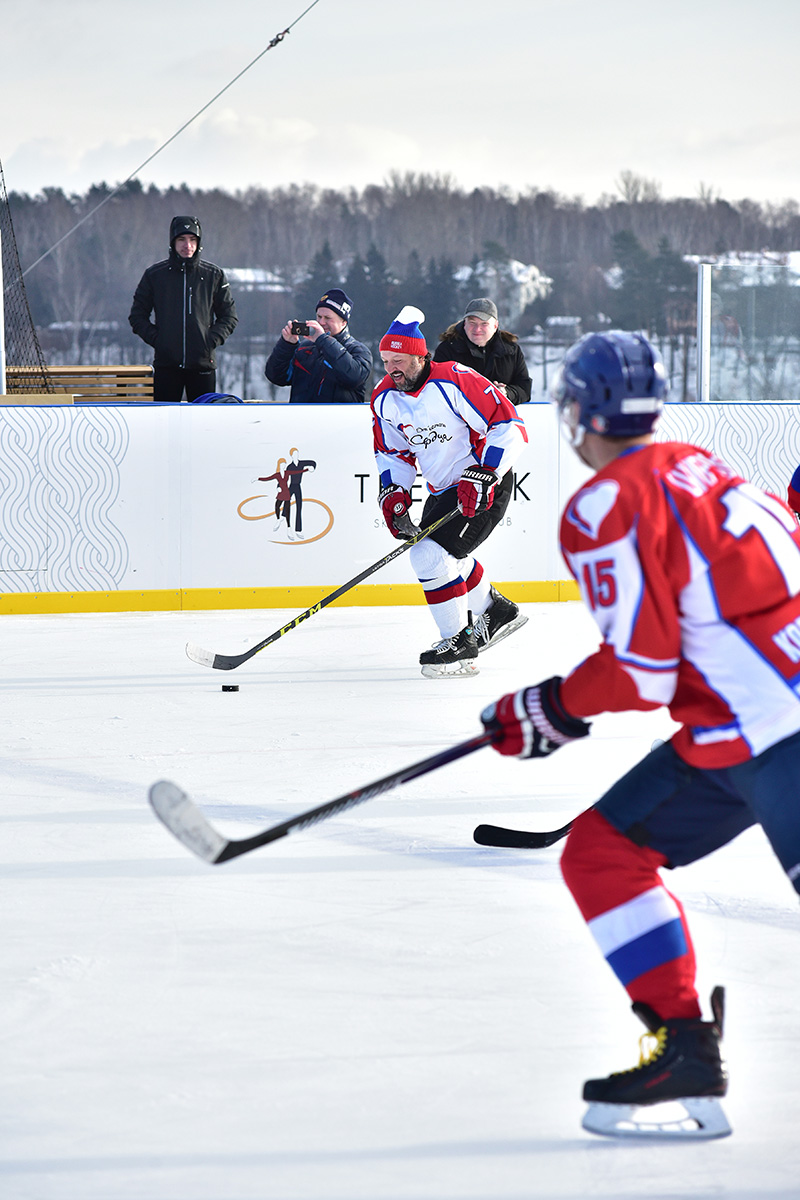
<point>602,867</point>
<point>470,570</point>
<point>429,560</point>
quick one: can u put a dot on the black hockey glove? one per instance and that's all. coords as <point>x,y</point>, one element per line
<point>532,722</point>
<point>476,490</point>
<point>395,503</point>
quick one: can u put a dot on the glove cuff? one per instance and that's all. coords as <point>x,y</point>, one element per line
<point>389,490</point>
<point>543,705</point>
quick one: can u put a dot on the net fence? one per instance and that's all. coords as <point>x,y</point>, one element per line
<point>26,369</point>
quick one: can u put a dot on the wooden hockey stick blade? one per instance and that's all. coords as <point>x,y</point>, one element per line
<point>518,839</point>
<point>187,823</point>
<point>229,662</point>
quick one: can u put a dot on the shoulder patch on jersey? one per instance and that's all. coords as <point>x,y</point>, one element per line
<point>592,505</point>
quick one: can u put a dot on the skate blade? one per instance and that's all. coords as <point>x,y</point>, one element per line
<point>505,632</point>
<point>450,670</point>
<point>690,1118</point>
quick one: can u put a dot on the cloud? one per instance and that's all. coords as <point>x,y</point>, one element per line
<point>527,93</point>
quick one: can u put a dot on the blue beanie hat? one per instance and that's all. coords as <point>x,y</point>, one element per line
<point>338,301</point>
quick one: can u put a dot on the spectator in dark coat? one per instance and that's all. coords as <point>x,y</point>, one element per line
<point>194,313</point>
<point>478,342</point>
<point>326,366</point>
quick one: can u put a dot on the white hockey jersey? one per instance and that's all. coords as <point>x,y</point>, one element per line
<point>456,420</point>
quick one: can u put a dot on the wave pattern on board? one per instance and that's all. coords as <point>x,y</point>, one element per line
<point>59,480</point>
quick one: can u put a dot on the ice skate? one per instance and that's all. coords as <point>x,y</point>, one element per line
<point>452,656</point>
<point>673,1092</point>
<point>501,618</point>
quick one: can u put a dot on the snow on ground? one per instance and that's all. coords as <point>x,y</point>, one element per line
<point>371,1009</point>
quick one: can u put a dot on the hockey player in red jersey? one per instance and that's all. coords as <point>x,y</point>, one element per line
<point>793,492</point>
<point>464,436</point>
<point>693,576</point>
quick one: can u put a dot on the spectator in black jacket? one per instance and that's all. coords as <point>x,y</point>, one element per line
<point>326,366</point>
<point>478,342</point>
<point>194,312</point>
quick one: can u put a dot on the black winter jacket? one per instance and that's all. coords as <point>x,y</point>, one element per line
<point>193,308</point>
<point>500,360</point>
<point>334,369</point>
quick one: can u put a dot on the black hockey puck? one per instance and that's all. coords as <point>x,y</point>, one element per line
<point>230,687</point>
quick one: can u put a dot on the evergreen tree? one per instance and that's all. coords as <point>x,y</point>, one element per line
<point>322,274</point>
<point>356,284</point>
<point>411,289</point>
<point>632,305</point>
<point>412,285</point>
<point>382,302</point>
<point>675,285</point>
<point>440,300</point>
<point>371,289</point>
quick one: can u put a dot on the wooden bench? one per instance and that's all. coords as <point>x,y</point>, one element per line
<point>120,383</point>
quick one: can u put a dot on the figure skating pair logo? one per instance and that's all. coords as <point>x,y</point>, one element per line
<point>288,511</point>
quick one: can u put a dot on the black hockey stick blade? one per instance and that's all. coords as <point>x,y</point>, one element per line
<point>518,839</point>
<point>187,823</point>
<point>229,662</point>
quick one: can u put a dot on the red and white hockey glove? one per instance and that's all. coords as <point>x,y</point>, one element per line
<point>532,722</point>
<point>395,503</point>
<point>476,490</point>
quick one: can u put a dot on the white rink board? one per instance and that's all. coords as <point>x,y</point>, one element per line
<point>144,497</point>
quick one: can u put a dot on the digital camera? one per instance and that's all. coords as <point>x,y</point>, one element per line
<point>300,328</point>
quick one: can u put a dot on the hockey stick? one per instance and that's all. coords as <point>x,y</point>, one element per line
<point>229,662</point>
<point>184,819</point>
<point>518,839</point>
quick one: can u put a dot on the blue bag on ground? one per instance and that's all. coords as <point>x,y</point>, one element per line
<point>217,398</point>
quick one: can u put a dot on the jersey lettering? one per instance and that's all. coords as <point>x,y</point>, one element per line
<point>697,474</point>
<point>748,508</point>
<point>788,640</point>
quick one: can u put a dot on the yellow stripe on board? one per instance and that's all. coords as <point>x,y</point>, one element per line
<point>367,595</point>
<point>16,603</point>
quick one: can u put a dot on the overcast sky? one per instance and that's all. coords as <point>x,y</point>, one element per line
<point>561,94</point>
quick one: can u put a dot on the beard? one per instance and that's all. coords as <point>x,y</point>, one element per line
<point>406,383</point>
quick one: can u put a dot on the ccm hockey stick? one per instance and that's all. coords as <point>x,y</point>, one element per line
<point>229,662</point>
<point>518,839</point>
<point>184,819</point>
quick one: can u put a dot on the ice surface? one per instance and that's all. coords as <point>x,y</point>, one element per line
<point>371,1009</point>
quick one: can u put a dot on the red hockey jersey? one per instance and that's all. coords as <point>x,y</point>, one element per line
<point>693,576</point>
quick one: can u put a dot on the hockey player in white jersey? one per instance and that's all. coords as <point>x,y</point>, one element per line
<point>464,436</point>
<point>693,577</point>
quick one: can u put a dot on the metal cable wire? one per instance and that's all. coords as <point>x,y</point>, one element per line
<point>275,42</point>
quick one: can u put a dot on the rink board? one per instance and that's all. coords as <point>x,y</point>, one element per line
<point>133,507</point>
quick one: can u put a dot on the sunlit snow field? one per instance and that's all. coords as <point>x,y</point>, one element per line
<point>371,1009</point>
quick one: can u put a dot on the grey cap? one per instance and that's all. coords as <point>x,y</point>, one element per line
<point>482,307</point>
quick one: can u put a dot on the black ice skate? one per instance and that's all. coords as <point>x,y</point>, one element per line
<point>452,656</point>
<point>501,618</point>
<point>682,1065</point>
